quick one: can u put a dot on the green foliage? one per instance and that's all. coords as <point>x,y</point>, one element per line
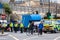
<point>48,15</point>
<point>7,8</point>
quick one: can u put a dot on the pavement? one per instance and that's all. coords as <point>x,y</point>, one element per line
<point>26,36</point>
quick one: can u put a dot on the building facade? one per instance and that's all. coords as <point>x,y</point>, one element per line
<point>29,6</point>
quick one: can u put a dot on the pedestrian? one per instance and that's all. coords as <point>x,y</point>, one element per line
<point>40,27</point>
<point>15,27</point>
<point>31,27</point>
<point>11,26</point>
<point>21,27</point>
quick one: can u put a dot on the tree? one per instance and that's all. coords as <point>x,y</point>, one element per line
<point>7,9</point>
<point>48,15</point>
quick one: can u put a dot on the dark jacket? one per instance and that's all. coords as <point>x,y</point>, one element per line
<point>31,26</point>
<point>40,26</point>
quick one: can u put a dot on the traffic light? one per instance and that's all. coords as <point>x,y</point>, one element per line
<point>48,15</point>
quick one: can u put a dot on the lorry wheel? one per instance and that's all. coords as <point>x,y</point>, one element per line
<point>45,31</point>
<point>55,31</point>
<point>52,31</point>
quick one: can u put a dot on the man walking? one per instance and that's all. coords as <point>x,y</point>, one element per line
<point>40,27</point>
<point>31,27</point>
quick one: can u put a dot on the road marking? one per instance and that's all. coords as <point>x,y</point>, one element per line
<point>1,38</point>
<point>57,38</point>
<point>30,37</point>
<point>14,37</point>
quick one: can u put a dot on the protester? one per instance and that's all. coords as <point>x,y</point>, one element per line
<point>40,27</point>
<point>31,27</point>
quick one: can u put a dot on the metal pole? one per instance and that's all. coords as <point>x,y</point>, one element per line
<point>56,10</point>
<point>49,6</point>
<point>41,5</point>
<point>29,6</point>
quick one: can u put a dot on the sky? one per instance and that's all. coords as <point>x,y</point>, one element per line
<point>58,1</point>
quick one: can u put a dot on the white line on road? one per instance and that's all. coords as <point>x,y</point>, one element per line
<point>57,38</point>
<point>14,37</point>
<point>30,38</point>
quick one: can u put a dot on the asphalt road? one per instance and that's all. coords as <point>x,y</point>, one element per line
<point>24,36</point>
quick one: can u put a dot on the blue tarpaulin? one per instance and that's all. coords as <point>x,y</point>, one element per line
<point>32,17</point>
<point>1,5</point>
<point>35,17</point>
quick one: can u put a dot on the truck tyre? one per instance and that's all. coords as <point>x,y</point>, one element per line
<point>52,31</point>
<point>45,31</point>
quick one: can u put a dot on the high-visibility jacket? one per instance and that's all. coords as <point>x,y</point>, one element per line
<point>4,25</point>
<point>15,25</point>
<point>28,25</point>
<point>21,25</point>
<point>11,24</point>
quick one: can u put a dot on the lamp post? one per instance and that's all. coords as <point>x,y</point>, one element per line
<point>56,9</point>
<point>41,3</point>
<point>49,6</point>
<point>55,16</point>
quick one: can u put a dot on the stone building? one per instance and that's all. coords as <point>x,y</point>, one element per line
<point>28,6</point>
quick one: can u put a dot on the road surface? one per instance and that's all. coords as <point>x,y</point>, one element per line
<point>24,36</point>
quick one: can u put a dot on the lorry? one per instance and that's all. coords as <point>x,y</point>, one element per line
<point>26,18</point>
<point>52,26</point>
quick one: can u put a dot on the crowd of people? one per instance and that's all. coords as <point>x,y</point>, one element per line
<point>20,27</point>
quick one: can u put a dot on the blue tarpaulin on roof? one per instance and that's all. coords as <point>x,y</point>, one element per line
<point>30,17</point>
<point>35,17</point>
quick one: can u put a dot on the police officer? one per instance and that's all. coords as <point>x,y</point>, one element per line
<point>21,27</point>
<point>4,25</point>
<point>11,26</point>
<point>15,27</point>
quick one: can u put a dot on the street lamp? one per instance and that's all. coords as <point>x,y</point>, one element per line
<point>55,16</point>
<point>41,3</point>
<point>49,6</point>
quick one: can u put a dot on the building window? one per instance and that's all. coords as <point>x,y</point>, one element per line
<point>45,1</point>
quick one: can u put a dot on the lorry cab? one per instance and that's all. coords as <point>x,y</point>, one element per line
<point>26,18</point>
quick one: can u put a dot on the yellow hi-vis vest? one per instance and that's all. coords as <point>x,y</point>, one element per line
<point>21,25</point>
<point>4,25</point>
<point>11,24</point>
<point>28,25</point>
<point>15,25</point>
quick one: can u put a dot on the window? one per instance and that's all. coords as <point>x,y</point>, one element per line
<point>18,0</point>
<point>45,1</point>
<point>36,0</point>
